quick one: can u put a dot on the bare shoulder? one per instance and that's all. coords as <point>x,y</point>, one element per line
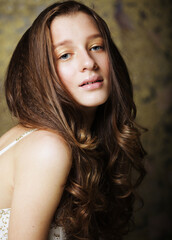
<point>44,148</point>
<point>44,143</point>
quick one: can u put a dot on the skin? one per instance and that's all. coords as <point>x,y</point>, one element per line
<point>37,167</point>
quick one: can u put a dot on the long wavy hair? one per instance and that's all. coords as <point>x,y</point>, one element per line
<point>107,166</point>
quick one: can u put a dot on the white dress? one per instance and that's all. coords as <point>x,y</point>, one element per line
<point>55,233</point>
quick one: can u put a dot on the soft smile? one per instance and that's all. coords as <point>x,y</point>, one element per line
<point>95,80</point>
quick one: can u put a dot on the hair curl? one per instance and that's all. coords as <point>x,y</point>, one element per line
<point>98,199</point>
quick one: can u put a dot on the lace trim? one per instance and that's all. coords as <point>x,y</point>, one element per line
<point>55,233</point>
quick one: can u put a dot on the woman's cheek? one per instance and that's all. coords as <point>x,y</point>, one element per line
<point>64,73</point>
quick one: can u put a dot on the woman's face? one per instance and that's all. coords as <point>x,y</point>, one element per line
<point>81,59</point>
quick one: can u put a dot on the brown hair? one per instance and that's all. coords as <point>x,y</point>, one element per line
<point>100,191</point>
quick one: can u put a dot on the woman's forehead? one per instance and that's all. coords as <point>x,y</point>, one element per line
<point>70,27</point>
<point>74,20</point>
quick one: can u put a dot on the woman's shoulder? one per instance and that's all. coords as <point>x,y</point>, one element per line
<point>43,156</point>
<point>45,140</point>
<point>33,140</point>
<point>43,145</point>
<point>28,147</point>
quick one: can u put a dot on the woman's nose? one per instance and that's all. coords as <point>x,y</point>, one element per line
<point>87,62</point>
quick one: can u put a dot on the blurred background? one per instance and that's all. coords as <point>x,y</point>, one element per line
<point>142,31</point>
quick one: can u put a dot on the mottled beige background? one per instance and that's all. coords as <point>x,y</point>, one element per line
<point>142,31</point>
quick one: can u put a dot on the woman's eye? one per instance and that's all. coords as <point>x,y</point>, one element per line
<point>65,56</point>
<point>96,48</point>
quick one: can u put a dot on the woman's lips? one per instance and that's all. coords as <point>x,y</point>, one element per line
<point>92,83</point>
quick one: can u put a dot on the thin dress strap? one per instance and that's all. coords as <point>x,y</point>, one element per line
<point>16,141</point>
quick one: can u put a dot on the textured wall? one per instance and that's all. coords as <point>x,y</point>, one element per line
<point>142,31</point>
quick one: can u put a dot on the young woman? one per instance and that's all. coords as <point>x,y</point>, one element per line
<point>67,167</point>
